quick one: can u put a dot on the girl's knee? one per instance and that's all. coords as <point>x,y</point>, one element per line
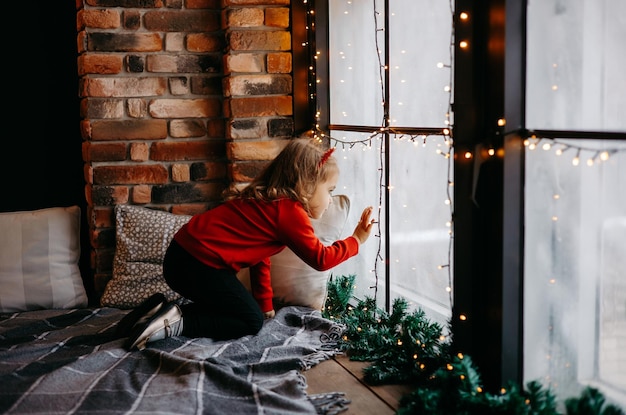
<point>256,323</point>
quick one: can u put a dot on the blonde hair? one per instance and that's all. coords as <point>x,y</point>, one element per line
<point>295,174</point>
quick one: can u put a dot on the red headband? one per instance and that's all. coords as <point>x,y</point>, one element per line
<point>325,157</point>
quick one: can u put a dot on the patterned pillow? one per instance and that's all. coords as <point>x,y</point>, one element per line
<point>142,236</point>
<point>39,254</point>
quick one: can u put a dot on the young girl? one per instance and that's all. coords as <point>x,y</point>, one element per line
<point>271,213</point>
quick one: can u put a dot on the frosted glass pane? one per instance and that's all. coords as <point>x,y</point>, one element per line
<point>359,179</point>
<point>575,268</point>
<point>420,224</point>
<point>355,82</point>
<point>576,58</point>
<point>419,62</point>
<point>419,220</point>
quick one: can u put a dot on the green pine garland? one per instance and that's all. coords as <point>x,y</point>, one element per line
<point>404,347</point>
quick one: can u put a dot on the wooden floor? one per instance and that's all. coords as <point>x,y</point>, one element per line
<point>342,375</point>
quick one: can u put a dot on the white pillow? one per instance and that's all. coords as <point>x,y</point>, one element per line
<point>142,236</point>
<point>293,281</point>
<point>39,255</point>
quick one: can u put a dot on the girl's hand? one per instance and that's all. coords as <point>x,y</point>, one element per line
<point>364,227</point>
<point>269,314</point>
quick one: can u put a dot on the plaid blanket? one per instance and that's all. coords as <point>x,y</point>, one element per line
<point>69,361</point>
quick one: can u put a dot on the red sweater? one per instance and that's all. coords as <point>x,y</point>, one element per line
<point>244,233</point>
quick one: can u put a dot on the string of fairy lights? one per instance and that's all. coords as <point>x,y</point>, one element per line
<point>377,136</point>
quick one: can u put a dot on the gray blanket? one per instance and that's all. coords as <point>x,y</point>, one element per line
<point>68,361</point>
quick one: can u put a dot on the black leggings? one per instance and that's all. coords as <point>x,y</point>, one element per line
<point>221,307</point>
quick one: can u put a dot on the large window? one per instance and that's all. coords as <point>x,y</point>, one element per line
<point>389,103</point>
<point>556,306</point>
<point>575,211</point>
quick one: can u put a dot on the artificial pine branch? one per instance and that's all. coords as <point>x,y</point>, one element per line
<point>339,296</point>
<point>591,401</point>
<point>406,348</point>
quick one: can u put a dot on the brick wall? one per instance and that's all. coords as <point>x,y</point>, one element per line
<point>179,98</point>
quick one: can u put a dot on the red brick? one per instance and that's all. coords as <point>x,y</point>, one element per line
<point>185,108</point>
<point>108,195</point>
<point>123,87</point>
<point>184,63</point>
<point>141,194</point>
<point>104,152</point>
<point>208,171</point>
<point>188,150</point>
<point>100,64</point>
<point>279,62</point>
<point>139,152</point>
<point>246,171</point>
<point>244,17</point>
<point>246,85</point>
<point>247,128</point>
<point>137,107</point>
<point>101,108</point>
<point>187,128</point>
<point>204,42</point>
<point>244,62</point>
<point>182,21</point>
<point>180,173</point>
<point>142,174</point>
<point>99,19</point>
<point>128,130</point>
<point>124,42</point>
<point>260,40</point>
<point>259,106</point>
<point>254,150</point>
<point>277,17</point>
<point>131,19</point>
